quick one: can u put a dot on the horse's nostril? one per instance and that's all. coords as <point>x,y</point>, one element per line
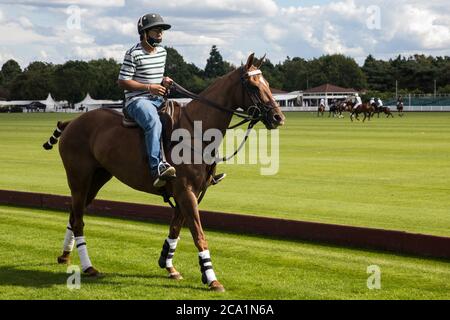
<point>277,118</point>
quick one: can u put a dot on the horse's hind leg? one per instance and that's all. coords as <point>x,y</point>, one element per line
<point>100,177</point>
<point>170,245</point>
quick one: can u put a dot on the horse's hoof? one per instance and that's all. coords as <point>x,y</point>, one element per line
<point>175,276</point>
<point>216,286</point>
<point>92,272</point>
<point>64,260</point>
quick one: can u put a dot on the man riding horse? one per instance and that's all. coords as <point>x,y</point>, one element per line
<point>321,108</point>
<point>96,146</point>
<point>400,106</point>
<point>358,107</point>
<point>141,75</point>
<point>357,101</point>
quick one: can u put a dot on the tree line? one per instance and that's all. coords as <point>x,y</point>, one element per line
<point>72,80</point>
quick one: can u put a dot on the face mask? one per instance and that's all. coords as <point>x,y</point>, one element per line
<point>153,41</point>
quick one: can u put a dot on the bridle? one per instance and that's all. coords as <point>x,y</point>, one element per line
<point>258,111</point>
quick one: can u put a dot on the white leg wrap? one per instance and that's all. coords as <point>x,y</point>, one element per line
<point>69,240</point>
<point>173,245</point>
<point>83,253</point>
<point>205,263</point>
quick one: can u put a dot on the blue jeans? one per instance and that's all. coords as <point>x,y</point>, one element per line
<point>145,112</point>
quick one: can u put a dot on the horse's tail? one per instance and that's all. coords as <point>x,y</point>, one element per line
<point>60,126</point>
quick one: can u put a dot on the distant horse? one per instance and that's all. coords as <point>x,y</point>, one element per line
<point>333,111</point>
<point>96,146</point>
<point>320,110</point>
<point>400,109</point>
<point>342,107</point>
<point>386,111</point>
<point>376,109</point>
<point>365,108</point>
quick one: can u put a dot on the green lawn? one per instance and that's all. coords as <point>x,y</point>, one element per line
<point>389,173</point>
<point>249,267</point>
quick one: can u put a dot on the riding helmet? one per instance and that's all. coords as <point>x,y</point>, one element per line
<point>151,20</point>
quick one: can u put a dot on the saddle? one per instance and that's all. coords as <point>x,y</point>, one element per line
<point>169,116</point>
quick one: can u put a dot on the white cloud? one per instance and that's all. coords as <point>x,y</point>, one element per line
<point>422,26</point>
<point>214,7</point>
<point>236,26</point>
<point>44,54</point>
<point>93,3</point>
<point>273,32</point>
<point>12,33</point>
<point>25,22</point>
<point>181,38</point>
<point>121,25</point>
<point>95,52</point>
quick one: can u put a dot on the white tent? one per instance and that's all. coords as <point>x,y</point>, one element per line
<point>50,103</point>
<point>90,104</point>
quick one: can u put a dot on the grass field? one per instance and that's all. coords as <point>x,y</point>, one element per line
<point>389,173</point>
<point>249,267</point>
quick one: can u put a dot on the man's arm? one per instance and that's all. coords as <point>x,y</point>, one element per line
<point>132,85</point>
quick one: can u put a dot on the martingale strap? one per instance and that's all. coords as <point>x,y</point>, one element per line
<point>252,118</point>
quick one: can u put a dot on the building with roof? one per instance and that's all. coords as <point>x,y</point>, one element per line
<point>286,99</point>
<point>328,92</point>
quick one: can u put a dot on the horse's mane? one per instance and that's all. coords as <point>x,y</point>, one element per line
<point>213,85</point>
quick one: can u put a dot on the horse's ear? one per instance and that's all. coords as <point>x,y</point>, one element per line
<point>261,61</point>
<point>250,59</point>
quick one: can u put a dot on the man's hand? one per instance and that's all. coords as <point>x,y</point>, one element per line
<point>167,82</point>
<point>157,89</point>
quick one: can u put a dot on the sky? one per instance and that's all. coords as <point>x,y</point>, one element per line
<point>59,30</point>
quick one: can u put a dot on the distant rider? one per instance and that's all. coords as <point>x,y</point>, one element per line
<point>358,101</point>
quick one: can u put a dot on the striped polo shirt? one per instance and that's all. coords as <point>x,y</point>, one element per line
<point>142,67</point>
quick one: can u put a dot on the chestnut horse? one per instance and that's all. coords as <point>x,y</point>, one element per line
<point>365,108</point>
<point>95,146</point>
<point>320,110</point>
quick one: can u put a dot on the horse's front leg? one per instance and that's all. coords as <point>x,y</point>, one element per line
<point>170,245</point>
<point>189,208</point>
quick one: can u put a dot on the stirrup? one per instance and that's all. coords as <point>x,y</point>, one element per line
<point>164,176</point>
<point>217,178</point>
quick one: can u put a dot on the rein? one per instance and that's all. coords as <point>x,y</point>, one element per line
<point>253,116</point>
